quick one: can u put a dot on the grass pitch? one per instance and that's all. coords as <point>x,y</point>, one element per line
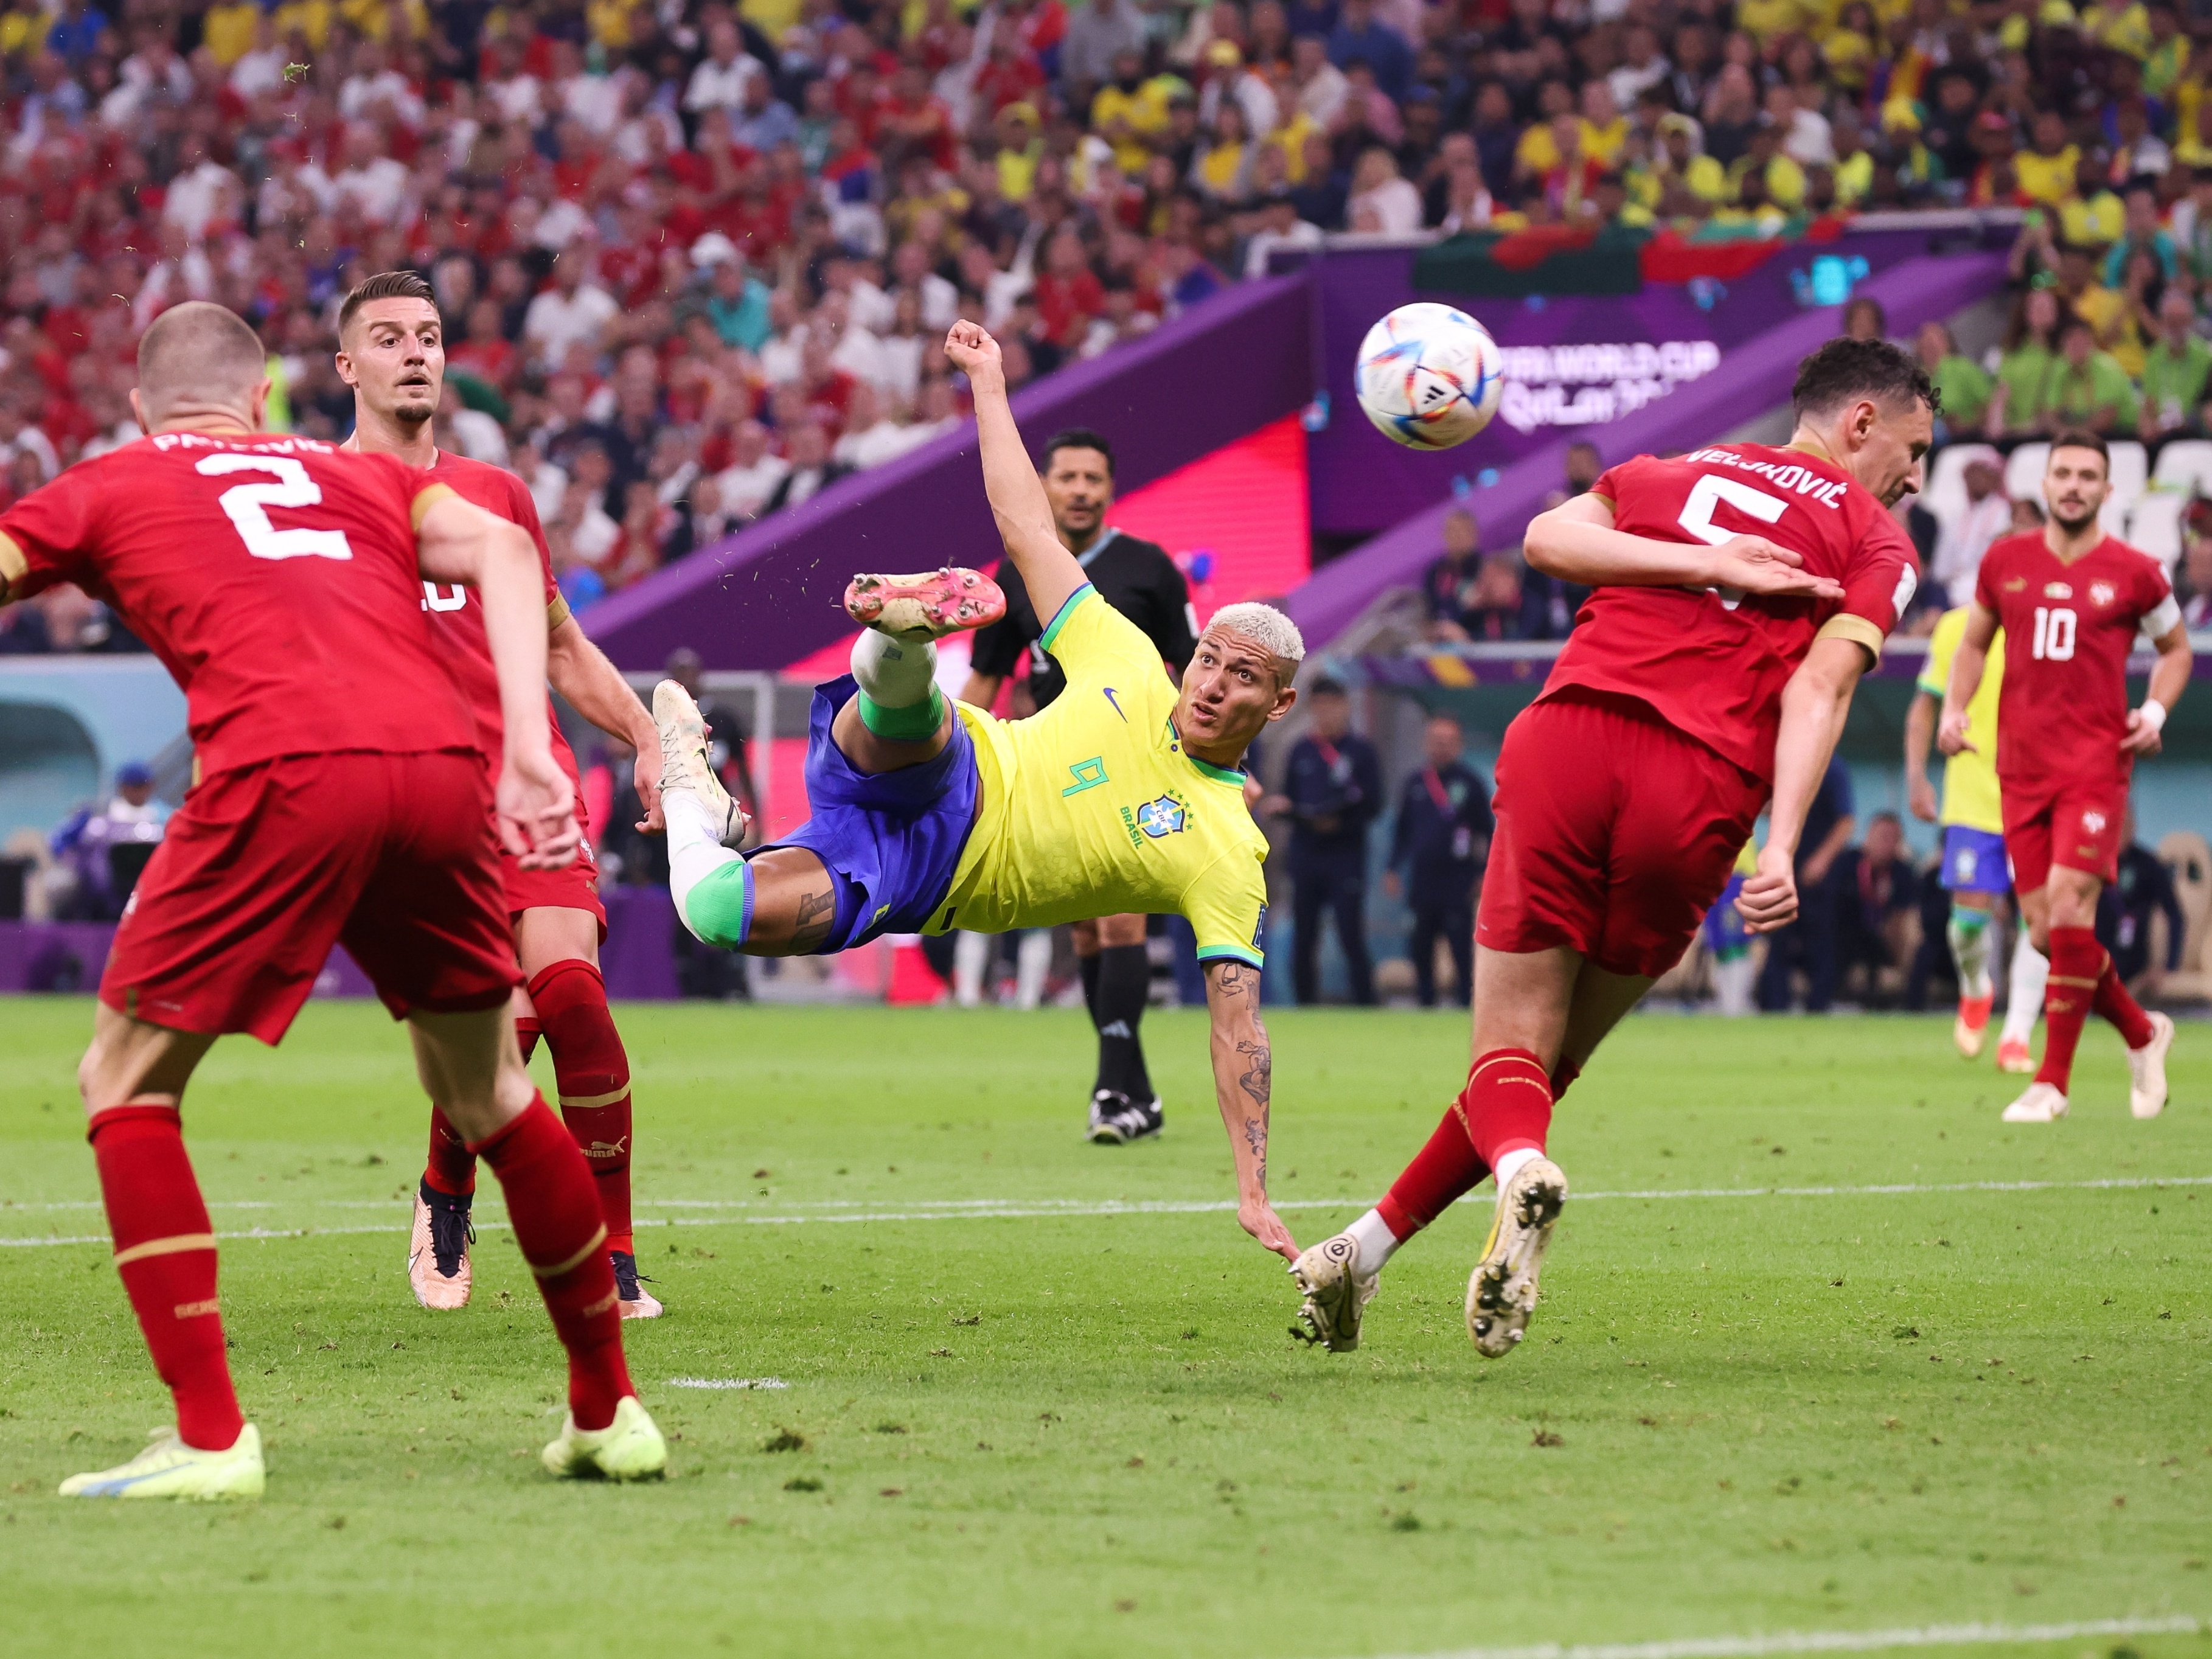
<point>1015,1421</point>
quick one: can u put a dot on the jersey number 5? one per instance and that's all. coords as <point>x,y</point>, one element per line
<point>1696,516</point>
<point>2054,635</point>
<point>248,505</point>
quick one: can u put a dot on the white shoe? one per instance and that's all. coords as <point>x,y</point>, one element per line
<point>683,763</point>
<point>1502,1293</point>
<point>170,1468</point>
<point>2147,1069</point>
<point>2042,1103</point>
<point>629,1448</point>
<point>1336,1293</point>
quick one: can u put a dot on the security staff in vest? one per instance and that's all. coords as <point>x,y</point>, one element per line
<point>1331,791</point>
<point>1436,852</point>
<point>1139,580</point>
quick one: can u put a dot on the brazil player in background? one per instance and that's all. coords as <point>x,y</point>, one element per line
<point>1139,580</point>
<point>1123,798</point>
<point>1975,869</point>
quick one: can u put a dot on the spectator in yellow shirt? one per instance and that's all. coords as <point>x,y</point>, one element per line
<point>2046,170</point>
<point>23,30</point>
<point>1605,128</point>
<point>1782,181</point>
<point>2120,25</point>
<point>1682,156</point>
<point>310,19</point>
<point>2091,214</point>
<point>1536,155</point>
<point>1131,110</point>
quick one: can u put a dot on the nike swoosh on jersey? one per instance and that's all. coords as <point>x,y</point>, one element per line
<point>1116,702</point>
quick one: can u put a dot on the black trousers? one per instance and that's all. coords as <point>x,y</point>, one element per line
<point>1337,890</point>
<point>1454,920</point>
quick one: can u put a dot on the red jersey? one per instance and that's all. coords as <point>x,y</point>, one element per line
<point>274,575</point>
<point>2062,708</point>
<point>457,609</point>
<point>1712,662</point>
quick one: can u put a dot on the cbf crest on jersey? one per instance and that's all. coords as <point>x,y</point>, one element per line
<point>1161,817</point>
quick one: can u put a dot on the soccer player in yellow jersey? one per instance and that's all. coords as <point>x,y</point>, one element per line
<point>1122,797</point>
<point>1974,865</point>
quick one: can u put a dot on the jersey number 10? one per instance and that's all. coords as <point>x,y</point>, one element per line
<point>2054,635</point>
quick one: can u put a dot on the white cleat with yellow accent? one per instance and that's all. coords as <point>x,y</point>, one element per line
<point>170,1468</point>
<point>684,765</point>
<point>1502,1292</point>
<point>629,1448</point>
<point>1336,1293</point>
<point>2044,1102</point>
<point>2147,1069</point>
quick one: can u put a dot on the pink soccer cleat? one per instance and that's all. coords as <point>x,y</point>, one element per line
<point>932,602</point>
<point>438,1253</point>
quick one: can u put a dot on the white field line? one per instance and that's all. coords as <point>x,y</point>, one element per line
<point>992,1209</point>
<point>1836,1641</point>
<point>727,1382</point>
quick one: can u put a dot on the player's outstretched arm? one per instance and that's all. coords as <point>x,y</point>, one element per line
<point>458,542</point>
<point>1919,733</point>
<point>1243,1079</point>
<point>1813,705</point>
<point>595,689</point>
<point>1576,541</point>
<point>1048,570</point>
<point>1967,666</point>
<point>2168,674</point>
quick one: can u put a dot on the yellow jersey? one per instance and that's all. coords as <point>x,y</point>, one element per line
<point>1094,808</point>
<point>1970,800</point>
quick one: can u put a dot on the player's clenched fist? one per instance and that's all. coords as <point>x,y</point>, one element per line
<point>1753,564</point>
<point>975,355</point>
<point>1769,898</point>
<point>1951,736</point>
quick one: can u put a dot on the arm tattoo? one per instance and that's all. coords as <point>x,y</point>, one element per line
<point>1255,1137</point>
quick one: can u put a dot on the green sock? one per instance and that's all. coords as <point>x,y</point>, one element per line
<point>913,722</point>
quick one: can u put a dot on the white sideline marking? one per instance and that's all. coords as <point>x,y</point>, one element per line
<point>727,1382</point>
<point>1835,1641</point>
<point>994,1209</point>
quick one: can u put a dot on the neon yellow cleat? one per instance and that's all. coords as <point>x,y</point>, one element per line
<point>170,1468</point>
<point>629,1448</point>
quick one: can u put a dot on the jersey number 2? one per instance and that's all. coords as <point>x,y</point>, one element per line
<point>2054,635</point>
<point>248,505</point>
<point>1696,516</point>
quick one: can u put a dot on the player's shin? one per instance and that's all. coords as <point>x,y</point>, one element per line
<point>592,1071</point>
<point>899,698</point>
<point>712,886</point>
<point>451,1168</point>
<point>1125,976</point>
<point>555,1216</point>
<point>2030,969</point>
<point>165,1254</point>
<point>1968,932</point>
<point>2077,962</point>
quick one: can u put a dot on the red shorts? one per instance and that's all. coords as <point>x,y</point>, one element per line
<point>266,867</point>
<point>572,887</point>
<point>2062,821</point>
<point>1615,833</point>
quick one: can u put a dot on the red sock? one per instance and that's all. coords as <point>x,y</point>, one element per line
<point>528,1028</point>
<point>165,1255</point>
<point>556,1217</point>
<point>453,1167</point>
<point>592,1073</point>
<point>2113,1003</point>
<point>1562,1076</point>
<point>1440,1173</point>
<point>1507,1104</point>
<point>2077,962</point>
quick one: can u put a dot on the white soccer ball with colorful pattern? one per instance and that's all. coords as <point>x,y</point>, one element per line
<point>1429,376</point>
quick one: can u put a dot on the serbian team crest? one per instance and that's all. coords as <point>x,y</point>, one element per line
<point>1160,817</point>
<point>2101,593</point>
<point>2093,822</point>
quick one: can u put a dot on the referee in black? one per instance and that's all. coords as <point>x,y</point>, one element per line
<point>1139,580</point>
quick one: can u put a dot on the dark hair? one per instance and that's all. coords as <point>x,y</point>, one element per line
<point>385,285</point>
<point>1846,368</point>
<point>1327,686</point>
<point>2080,438</point>
<point>1078,437</point>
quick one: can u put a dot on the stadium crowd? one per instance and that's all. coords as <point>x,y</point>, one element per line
<point>692,260</point>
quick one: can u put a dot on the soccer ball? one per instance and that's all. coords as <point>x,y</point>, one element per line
<point>1429,376</point>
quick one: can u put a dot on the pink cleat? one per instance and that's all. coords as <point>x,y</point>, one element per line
<point>2014,1056</point>
<point>932,602</point>
<point>438,1253</point>
<point>631,1296</point>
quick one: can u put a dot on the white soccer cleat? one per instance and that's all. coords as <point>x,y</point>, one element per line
<point>438,1269</point>
<point>2147,1069</point>
<point>683,763</point>
<point>1336,1293</point>
<point>170,1468</point>
<point>629,1448</point>
<point>1502,1292</point>
<point>2042,1103</point>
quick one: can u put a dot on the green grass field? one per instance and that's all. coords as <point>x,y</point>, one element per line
<point>1034,1423</point>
